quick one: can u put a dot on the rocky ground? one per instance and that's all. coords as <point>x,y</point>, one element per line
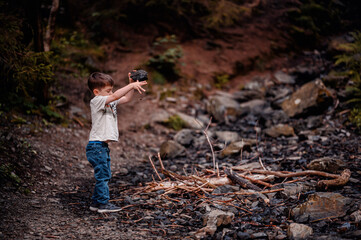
<point>286,122</point>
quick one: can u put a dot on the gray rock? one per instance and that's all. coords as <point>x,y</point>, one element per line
<point>255,106</point>
<point>293,189</point>
<point>321,205</point>
<point>171,149</point>
<point>312,97</point>
<point>236,147</point>
<point>76,111</point>
<point>190,122</point>
<point>213,220</point>
<point>226,189</point>
<point>185,137</point>
<point>159,116</point>
<point>123,171</point>
<point>247,95</point>
<point>280,130</point>
<point>227,136</point>
<point>314,122</point>
<point>356,216</point>
<point>220,106</point>
<point>284,78</point>
<point>298,231</point>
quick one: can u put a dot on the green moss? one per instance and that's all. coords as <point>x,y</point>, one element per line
<point>175,122</point>
<point>7,175</point>
<point>355,118</point>
<point>221,80</point>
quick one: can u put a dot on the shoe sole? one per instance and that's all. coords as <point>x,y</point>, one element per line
<point>94,209</point>
<point>108,211</point>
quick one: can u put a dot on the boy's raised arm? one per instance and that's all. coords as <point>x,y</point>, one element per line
<point>124,90</point>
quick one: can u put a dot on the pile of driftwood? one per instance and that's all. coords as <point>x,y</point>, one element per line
<point>260,181</point>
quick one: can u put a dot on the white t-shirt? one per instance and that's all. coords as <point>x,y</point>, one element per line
<point>104,120</point>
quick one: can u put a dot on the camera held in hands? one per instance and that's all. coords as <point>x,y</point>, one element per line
<point>139,75</point>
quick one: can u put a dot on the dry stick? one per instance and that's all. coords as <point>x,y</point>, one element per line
<point>290,174</point>
<point>260,161</point>
<point>257,181</point>
<point>160,161</point>
<point>169,173</point>
<point>259,158</point>
<point>241,181</point>
<point>154,168</point>
<point>251,193</point>
<point>340,181</point>
<point>204,181</point>
<point>209,141</point>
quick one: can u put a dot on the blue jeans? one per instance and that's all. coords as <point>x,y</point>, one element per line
<point>97,154</point>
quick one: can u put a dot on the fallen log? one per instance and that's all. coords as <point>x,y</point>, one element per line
<point>290,174</point>
<point>244,183</point>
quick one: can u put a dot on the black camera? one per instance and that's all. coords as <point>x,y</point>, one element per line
<point>139,75</point>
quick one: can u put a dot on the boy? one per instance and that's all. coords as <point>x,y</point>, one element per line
<point>104,130</point>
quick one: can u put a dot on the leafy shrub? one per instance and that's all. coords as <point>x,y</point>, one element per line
<point>221,80</point>
<point>75,54</point>
<point>25,75</point>
<point>225,14</point>
<point>166,58</point>
<point>350,61</point>
<point>313,19</point>
<point>355,118</point>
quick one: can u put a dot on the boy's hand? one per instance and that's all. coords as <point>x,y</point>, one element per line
<point>138,86</point>
<point>130,79</point>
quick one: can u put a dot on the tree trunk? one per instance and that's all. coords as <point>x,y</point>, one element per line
<point>51,25</point>
<point>32,10</point>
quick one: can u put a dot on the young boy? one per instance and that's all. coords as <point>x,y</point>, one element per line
<point>104,130</point>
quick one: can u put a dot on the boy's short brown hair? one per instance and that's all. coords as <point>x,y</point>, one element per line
<point>99,80</point>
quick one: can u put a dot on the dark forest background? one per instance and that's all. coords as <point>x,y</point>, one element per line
<point>44,43</point>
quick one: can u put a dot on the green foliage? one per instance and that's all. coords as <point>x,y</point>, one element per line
<point>25,75</point>
<point>193,16</point>
<point>224,14</point>
<point>175,122</point>
<point>355,117</point>
<point>351,63</point>
<point>75,54</point>
<point>7,175</point>
<point>314,19</point>
<point>166,59</point>
<point>221,80</point>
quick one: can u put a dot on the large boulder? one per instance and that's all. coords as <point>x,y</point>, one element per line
<point>311,98</point>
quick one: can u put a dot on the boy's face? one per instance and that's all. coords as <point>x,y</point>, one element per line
<point>105,91</point>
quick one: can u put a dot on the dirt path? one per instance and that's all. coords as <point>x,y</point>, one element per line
<point>57,206</point>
